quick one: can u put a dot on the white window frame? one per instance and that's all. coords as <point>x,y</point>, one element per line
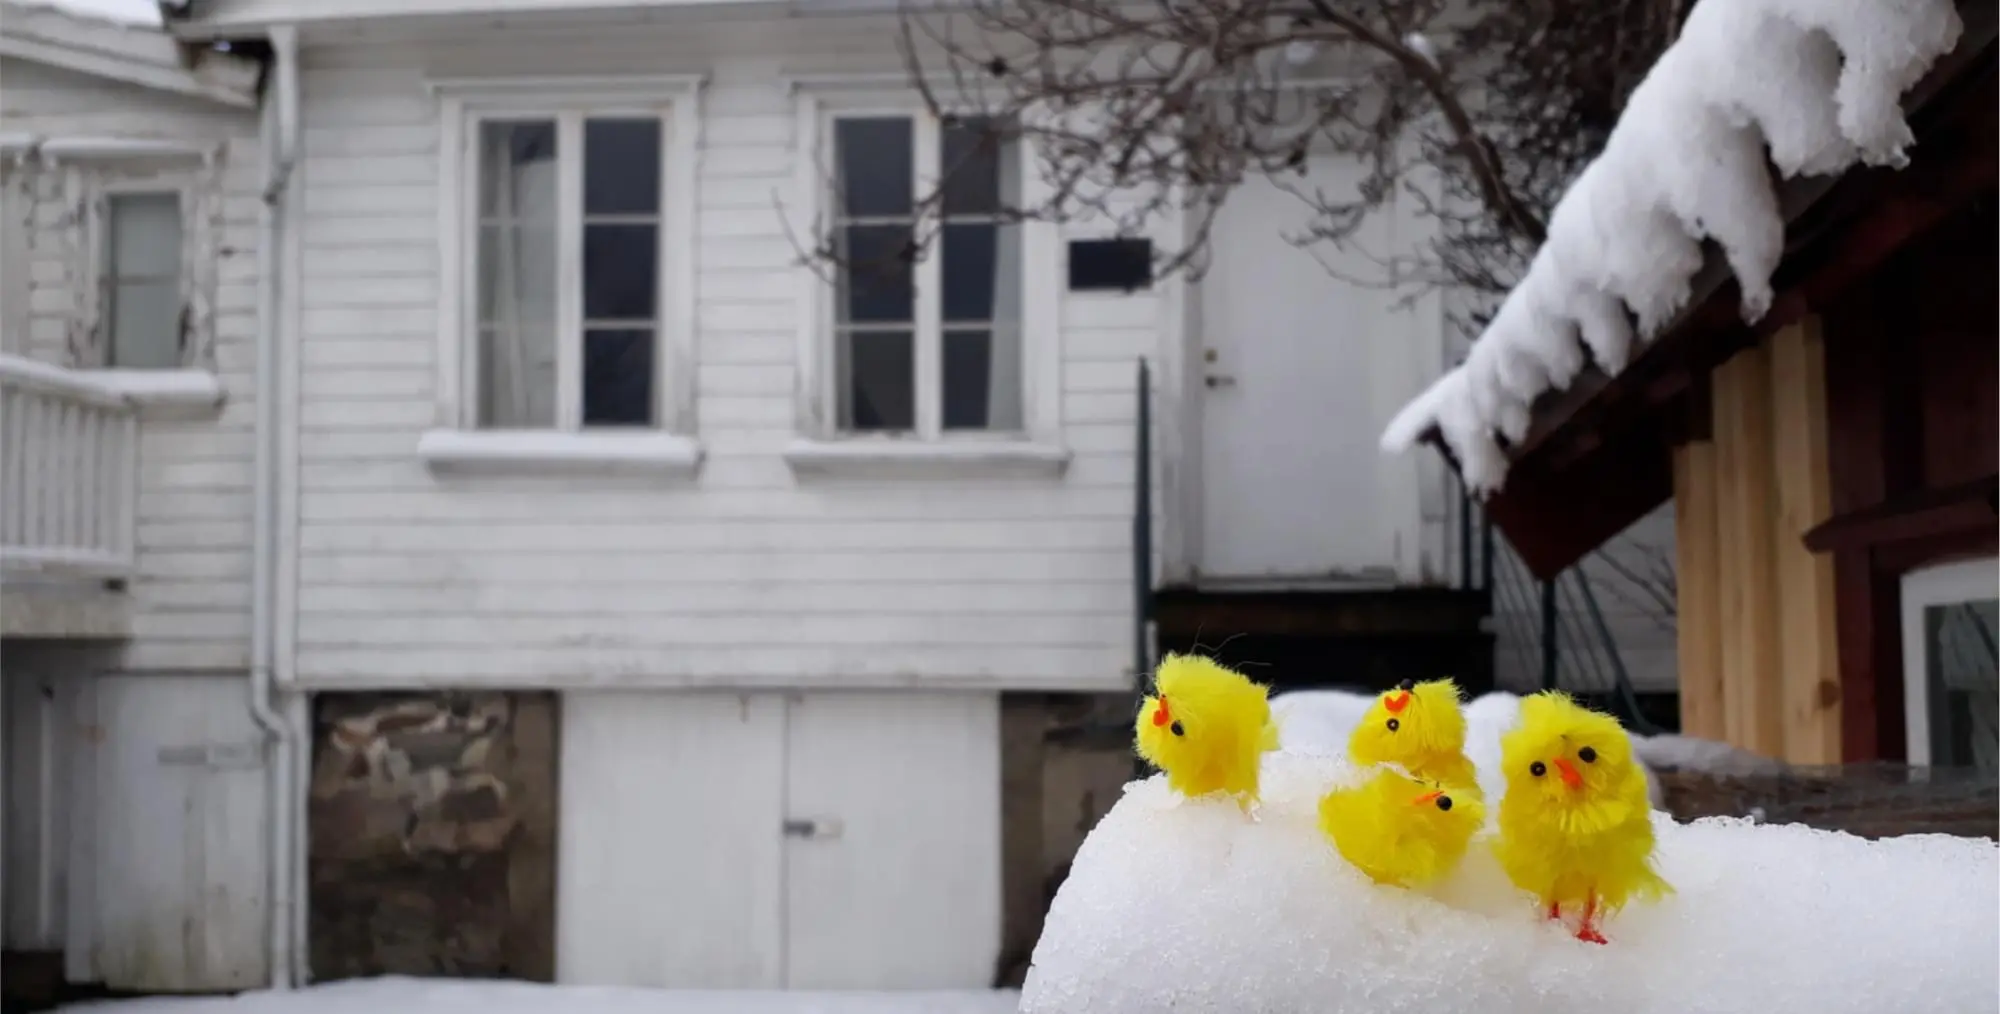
<point>669,446</point>
<point>182,191</point>
<point>1922,589</point>
<point>822,446</point>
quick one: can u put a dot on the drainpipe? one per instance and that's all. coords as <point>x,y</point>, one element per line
<point>279,135</point>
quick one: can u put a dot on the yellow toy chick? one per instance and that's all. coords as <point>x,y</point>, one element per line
<point>1575,826</point>
<point>1400,830</point>
<point>1419,727</point>
<point>1207,727</point>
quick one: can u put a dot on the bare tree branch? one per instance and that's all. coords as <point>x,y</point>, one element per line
<point>1149,111</point>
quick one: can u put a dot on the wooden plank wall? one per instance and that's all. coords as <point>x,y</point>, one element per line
<point>1759,667</point>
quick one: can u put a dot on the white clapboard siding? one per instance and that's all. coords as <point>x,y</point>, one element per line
<point>190,595</point>
<point>744,576</point>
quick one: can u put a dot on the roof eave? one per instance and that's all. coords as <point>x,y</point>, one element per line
<point>133,54</point>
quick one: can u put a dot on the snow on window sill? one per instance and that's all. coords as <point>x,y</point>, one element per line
<point>915,459</point>
<point>543,452</point>
<point>165,394</point>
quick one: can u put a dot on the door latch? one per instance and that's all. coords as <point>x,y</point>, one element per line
<point>1219,380</point>
<point>825,828</point>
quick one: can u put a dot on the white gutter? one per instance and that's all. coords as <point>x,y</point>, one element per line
<point>280,146</point>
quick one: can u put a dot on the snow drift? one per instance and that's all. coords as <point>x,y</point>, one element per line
<point>1819,82</point>
<point>1189,906</point>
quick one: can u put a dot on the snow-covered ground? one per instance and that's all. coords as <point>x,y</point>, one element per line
<point>1191,906</point>
<point>450,996</point>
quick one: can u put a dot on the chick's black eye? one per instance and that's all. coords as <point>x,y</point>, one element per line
<point>1394,725</point>
<point>1588,755</point>
<point>1444,803</point>
<point>1177,729</point>
<point>1538,769</point>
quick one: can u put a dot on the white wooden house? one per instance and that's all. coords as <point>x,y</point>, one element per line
<point>503,375</point>
<point>128,179</point>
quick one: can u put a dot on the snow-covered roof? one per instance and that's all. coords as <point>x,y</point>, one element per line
<point>107,39</point>
<point>1818,81</point>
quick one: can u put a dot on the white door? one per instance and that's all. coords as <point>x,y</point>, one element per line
<point>1301,371</point>
<point>892,867</point>
<point>668,847</point>
<point>1951,680</point>
<point>181,815</point>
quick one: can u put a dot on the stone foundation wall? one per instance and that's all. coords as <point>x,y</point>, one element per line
<point>431,821</point>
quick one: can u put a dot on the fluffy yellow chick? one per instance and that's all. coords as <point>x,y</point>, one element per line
<point>1420,728</point>
<point>1207,727</point>
<point>1575,826</point>
<point>1400,830</point>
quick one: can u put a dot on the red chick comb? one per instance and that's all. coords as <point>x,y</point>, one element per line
<point>1396,702</point>
<point>1160,714</point>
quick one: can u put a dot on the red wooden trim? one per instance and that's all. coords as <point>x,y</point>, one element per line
<point>1968,506</point>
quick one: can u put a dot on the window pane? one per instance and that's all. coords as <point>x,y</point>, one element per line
<point>620,271</point>
<point>982,272</point>
<point>878,380</point>
<point>1964,683</point>
<point>618,378</point>
<point>146,325</point>
<point>517,376</point>
<point>873,161</point>
<point>517,273</point>
<point>982,379</point>
<point>517,169</point>
<point>971,169</point>
<point>145,236</point>
<point>875,274</point>
<point>621,167</point>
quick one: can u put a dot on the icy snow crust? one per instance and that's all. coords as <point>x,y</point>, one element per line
<point>1818,81</point>
<point>1190,906</point>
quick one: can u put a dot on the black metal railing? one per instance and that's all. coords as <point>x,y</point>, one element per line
<point>1142,545</point>
<point>1561,618</point>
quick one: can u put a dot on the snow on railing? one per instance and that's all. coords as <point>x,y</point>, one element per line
<point>68,477</point>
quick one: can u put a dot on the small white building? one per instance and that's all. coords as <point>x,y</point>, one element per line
<point>647,595</point>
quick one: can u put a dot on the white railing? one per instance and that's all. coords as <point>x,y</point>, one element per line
<point>69,449</point>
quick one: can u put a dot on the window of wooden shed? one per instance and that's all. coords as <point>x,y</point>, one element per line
<point>568,270</point>
<point>926,343</point>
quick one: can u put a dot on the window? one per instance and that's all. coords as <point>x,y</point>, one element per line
<point>1951,679</point>
<point>562,359</point>
<point>930,345</point>
<point>142,280</point>
<point>573,316</point>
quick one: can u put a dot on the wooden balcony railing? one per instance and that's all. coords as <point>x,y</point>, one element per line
<point>68,473</point>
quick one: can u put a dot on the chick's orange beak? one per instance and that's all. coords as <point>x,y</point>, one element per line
<point>1161,715</point>
<point>1428,798</point>
<point>1569,773</point>
<point>1396,702</point>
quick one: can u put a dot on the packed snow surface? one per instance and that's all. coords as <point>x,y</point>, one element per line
<point>396,995</point>
<point>1186,906</point>
<point>1820,82</point>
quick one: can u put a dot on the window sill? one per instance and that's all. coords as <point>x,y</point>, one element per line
<point>901,459</point>
<point>534,452</point>
<point>165,394</point>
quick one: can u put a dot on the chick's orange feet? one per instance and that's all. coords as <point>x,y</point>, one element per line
<point>1588,931</point>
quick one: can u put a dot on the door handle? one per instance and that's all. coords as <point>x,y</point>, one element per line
<point>826,827</point>
<point>1219,380</point>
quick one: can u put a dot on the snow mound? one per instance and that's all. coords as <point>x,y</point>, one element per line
<point>1189,906</point>
<point>1820,82</point>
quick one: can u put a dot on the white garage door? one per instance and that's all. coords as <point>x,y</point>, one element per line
<point>722,840</point>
